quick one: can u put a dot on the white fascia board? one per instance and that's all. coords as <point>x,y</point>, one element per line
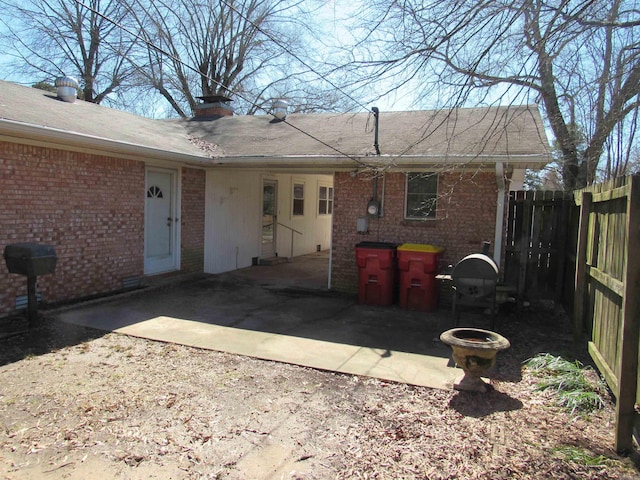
<point>387,162</point>
<point>55,138</point>
<point>18,132</point>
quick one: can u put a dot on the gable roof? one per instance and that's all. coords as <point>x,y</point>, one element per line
<point>322,142</point>
<point>40,117</point>
<point>414,138</point>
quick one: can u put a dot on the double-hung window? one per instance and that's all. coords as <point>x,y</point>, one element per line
<point>298,199</point>
<point>421,195</point>
<point>325,200</point>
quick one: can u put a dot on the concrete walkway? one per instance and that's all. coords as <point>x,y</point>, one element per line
<point>284,313</point>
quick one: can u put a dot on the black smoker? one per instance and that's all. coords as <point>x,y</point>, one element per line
<point>474,282</point>
<point>31,259</point>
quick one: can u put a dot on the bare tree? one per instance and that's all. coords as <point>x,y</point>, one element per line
<point>51,38</point>
<point>135,52</point>
<point>220,47</point>
<point>620,153</point>
<point>580,59</point>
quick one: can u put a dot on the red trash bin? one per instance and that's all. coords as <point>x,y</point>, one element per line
<point>418,266</point>
<point>377,264</point>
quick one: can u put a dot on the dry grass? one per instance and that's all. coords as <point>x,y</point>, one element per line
<point>73,403</point>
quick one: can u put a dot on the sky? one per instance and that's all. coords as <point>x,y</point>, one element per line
<point>332,17</point>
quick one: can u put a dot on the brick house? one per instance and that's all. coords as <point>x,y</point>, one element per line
<point>123,197</point>
<point>441,177</point>
<point>73,175</point>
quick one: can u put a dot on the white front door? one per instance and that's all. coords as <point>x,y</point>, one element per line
<point>160,221</point>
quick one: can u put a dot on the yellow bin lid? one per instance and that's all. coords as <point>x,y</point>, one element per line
<point>420,247</point>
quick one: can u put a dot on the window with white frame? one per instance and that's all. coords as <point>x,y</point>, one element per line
<point>298,199</point>
<point>421,195</point>
<point>325,200</point>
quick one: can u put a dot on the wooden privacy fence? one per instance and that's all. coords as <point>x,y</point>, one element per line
<point>607,290</point>
<point>538,228</point>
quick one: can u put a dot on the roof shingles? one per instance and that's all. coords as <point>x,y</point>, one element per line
<point>515,133</point>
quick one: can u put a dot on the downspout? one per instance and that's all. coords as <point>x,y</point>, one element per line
<point>331,247</point>
<point>497,242</point>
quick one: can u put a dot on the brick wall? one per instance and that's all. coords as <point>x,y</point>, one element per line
<point>465,218</point>
<point>90,208</point>
<point>193,200</point>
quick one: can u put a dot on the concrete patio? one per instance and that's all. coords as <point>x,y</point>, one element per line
<point>283,313</point>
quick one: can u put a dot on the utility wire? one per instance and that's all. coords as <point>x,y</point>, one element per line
<point>177,59</point>
<point>294,55</point>
<point>373,111</point>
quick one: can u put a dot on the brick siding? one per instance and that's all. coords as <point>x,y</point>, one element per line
<point>91,209</point>
<point>193,200</point>
<point>466,215</point>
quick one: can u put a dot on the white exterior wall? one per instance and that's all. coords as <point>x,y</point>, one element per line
<point>315,228</point>
<point>233,216</point>
<point>232,220</point>
<point>517,180</point>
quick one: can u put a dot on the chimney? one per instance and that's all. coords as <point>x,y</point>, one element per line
<point>214,106</point>
<point>67,89</point>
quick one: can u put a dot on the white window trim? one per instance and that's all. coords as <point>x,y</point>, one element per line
<point>304,197</point>
<point>327,186</point>
<point>406,197</point>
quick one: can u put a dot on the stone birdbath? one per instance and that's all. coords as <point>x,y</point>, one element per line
<point>474,350</point>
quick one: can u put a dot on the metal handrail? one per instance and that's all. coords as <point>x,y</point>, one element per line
<point>293,230</point>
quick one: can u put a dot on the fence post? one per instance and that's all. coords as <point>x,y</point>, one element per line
<point>625,411</point>
<point>581,267</point>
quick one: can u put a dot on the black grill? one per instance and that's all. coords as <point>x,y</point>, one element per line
<point>474,280</point>
<point>31,260</point>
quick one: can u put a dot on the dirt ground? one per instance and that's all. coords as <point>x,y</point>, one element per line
<point>77,403</point>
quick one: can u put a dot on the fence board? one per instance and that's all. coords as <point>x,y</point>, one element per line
<point>524,241</point>
<point>570,248</point>
<point>603,229</point>
<point>628,377</point>
<point>536,240</point>
<point>607,283</point>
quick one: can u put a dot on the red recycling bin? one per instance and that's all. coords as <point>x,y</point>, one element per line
<point>418,266</point>
<point>377,264</point>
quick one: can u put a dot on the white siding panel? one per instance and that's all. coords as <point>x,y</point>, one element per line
<point>232,220</point>
<point>316,229</point>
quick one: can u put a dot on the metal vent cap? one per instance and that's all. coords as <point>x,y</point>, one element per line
<point>67,88</point>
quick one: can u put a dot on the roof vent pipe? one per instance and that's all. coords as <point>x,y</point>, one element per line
<point>376,114</point>
<point>279,109</point>
<point>67,89</point>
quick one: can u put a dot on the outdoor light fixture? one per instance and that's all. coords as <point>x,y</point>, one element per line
<point>279,109</point>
